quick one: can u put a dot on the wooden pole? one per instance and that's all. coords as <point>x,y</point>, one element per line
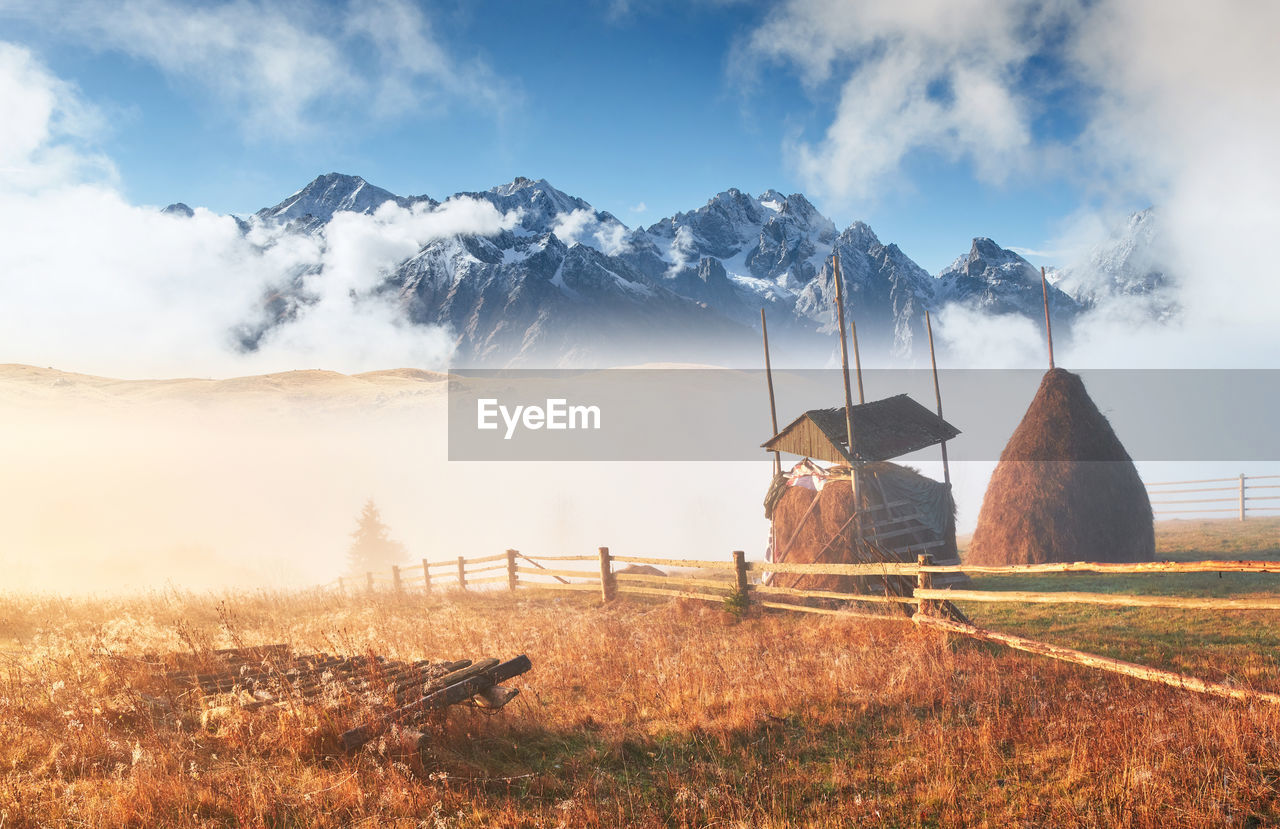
<point>368,580</point>
<point>462,573</point>
<point>937,395</point>
<point>857,360</point>
<point>1241,496</point>
<point>773,408</point>
<point>608,587</point>
<point>426,576</point>
<point>395,577</point>
<point>511,570</point>
<point>1048,327</point>
<point>740,570</point>
<point>342,587</point>
<point>848,395</point>
<point>844,357</point>
<point>924,581</point>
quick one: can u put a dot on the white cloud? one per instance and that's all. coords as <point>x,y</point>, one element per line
<point>44,119</point>
<point>682,246</point>
<point>639,207</point>
<point>1177,109</point>
<point>582,226</point>
<point>282,69</point>
<point>939,75</point>
<point>94,283</point>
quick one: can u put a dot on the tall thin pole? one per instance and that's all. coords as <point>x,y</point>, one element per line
<point>848,403</point>
<point>844,357</point>
<point>857,361</point>
<point>1048,328</point>
<point>773,408</point>
<point>937,394</point>
<point>853,331</point>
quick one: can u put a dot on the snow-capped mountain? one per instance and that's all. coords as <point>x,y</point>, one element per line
<point>999,281</point>
<point>1126,264</point>
<point>568,284</point>
<point>313,206</point>
<point>886,293</point>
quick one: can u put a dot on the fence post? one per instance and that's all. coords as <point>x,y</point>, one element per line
<point>608,586</point>
<point>426,576</point>
<point>924,581</point>
<point>511,570</point>
<point>462,573</point>
<point>368,580</point>
<point>395,577</point>
<point>1241,496</point>
<point>740,570</point>
<point>342,588</point>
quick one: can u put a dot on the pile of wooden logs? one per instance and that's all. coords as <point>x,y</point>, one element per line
<point>274,675</point>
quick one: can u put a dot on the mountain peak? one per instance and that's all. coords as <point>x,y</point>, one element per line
<point>521,183</point>
<point>328,194</point>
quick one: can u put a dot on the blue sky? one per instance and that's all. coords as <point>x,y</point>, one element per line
<point>661,105</point>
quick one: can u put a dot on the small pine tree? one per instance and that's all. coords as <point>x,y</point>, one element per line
<point>372,549</point>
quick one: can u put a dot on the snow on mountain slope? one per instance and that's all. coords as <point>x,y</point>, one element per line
<point>314,205</point>
<point>567,282</point>
<point>999,281</point>
<point>1129,263</point>
<point>886,293</point>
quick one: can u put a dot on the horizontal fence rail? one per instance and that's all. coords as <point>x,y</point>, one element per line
<point>1240,488</point>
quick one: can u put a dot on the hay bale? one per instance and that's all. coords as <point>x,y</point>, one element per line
<point>825,533</point>
<point>640,570</point>
<point>1065,489</point>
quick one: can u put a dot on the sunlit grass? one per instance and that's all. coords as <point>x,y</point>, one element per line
<point>644,713</point>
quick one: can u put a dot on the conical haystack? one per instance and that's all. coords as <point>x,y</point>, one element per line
<point>1065,488</point>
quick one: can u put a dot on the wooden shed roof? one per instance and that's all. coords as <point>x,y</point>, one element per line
<point>882,429</point>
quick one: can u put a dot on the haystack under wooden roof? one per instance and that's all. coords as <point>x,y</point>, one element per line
<point>1065,488</point>
<point>882,429</point>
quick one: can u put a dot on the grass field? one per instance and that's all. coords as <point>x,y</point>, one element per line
<point>658,714</point>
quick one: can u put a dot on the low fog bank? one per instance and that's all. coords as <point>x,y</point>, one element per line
<point>121,486</point>
<point>257,482</point>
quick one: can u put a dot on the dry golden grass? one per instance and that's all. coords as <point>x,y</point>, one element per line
<point>635,714</point>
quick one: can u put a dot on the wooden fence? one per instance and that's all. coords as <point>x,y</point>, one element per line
<point>739,586</point>
<point>1221,492</point>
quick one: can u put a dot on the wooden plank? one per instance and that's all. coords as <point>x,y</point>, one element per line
<point>927,545</point>
<point>486,569</point>
<point>487,580</point>
<point>559,558</point>
<point>487,559</point>
<point>1090,660</point>
<point>675,562</point>
<point>898,519</point>
<point>823,569</point>
<point>765,590</point>
<point>573,574</point>
<point>672,594</point>
<point>827,611</point>
<point>628,578</point>
<point>879,507</point>
<point>1199,481</point>
<point>451,694</point>
<point>1107,599</point>
<point>551,585</point>
<point>1118,567</point>
<point>536,566</point>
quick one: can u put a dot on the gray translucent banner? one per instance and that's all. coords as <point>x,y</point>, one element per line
<point>723,414</point>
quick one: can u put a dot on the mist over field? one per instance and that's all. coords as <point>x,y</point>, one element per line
<point>257,482</point>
